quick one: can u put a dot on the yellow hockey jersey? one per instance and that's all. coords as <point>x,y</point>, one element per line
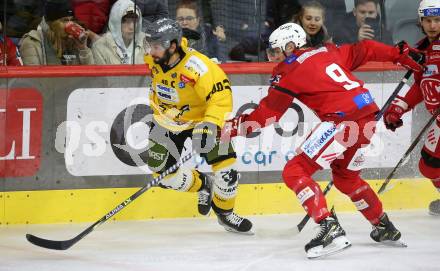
<point>195,90</point>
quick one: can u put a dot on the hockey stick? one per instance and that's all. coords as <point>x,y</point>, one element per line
<point>379,115</point>
<point>408,151</point>
<point>65,244</point>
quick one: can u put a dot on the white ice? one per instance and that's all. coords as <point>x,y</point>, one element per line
<point>202,244</point>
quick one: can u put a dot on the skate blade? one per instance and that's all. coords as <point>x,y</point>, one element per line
<point>338,245</point>
<point>397,243</point>
<point>250,232</point>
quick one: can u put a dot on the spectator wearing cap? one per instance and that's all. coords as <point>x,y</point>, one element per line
<point>50,44</point>
<point>120,45</point>
<point>10,56</point>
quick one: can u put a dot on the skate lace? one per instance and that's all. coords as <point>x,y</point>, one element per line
<point>322,231</point>
<point>234,219</point>
<point>203,197</point>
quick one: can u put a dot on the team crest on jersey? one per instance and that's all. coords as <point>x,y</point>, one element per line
<point>167,93</point>
<point>431,91</point>
<point>430,70</point>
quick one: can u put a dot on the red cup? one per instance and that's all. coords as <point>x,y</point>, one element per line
<point>76,31</point>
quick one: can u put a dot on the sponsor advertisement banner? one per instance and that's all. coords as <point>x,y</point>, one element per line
<point>106,133</point>
<point>21,115</point>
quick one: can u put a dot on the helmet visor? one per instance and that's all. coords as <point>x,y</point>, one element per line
<point>151,46</point>
<point>275,54</point>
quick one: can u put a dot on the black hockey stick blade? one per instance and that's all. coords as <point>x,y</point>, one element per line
<point>50,244</point>
<point>66,244</point>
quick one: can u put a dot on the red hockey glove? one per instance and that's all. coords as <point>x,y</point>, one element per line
<point>409,57</point>
<point>393,115</point>
<point>233,128</point>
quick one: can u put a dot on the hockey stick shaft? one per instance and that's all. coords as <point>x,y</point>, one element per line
<point>408,151</point>
<point>63,245</point>
<point>379,115</point>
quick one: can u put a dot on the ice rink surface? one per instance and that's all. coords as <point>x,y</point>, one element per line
<point>202,244</point>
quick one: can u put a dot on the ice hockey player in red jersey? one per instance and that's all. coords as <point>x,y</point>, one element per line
<point>426,88</point>
<point>321,78</point>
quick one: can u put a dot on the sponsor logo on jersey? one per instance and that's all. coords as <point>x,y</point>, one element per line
<point>325,132</point>
<point>306,55</point>
<point>363,99</point>
<point>430,70</point>
<point>436,47</point>
<point>275,79</point>
<point>186,79</point>
<point>167,93</point>
<point>290,59</point>
<point>181,85</point>
<point>174,75</point>
<point>195,64</point>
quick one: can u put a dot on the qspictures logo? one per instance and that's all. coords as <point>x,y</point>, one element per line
<point>21,120</point>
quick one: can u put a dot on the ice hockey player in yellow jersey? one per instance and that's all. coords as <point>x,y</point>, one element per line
<point>190,96</point>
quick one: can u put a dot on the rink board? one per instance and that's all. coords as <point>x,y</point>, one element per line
<point>87,205</point>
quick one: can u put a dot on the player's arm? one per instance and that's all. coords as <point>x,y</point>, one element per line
<point>270,109</point>
<point>355,55</point>
<point>214,88</point>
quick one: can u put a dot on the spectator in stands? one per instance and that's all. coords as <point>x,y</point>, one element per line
<point>50,44</point>
<point>311,18</point>
<point>152,10</point>
<point>116,46</point>
<point>187,16</point>
<point>93,15</point>
<point>11,56</point>
<point>21,17</point>
<point>363,23</point>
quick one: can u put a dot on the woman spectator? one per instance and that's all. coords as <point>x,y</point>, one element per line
<point>187,16</point>
<point>50,44</point>
<point>312,18</point>
<point>116,46</point>
<point>11,57</point>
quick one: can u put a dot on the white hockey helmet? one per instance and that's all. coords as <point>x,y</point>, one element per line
<point>429,8</point>
<point>289,32</point>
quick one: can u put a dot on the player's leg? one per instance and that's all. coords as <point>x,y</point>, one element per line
<point>429,164</point>
<point>164,150</point>
<point>225,187</point>
<point>349,182</point>
<point>297,176</point>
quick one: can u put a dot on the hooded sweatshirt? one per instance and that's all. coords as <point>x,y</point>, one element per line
<point>110,48</point>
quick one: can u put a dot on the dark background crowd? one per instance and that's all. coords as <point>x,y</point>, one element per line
<point>111,32</point>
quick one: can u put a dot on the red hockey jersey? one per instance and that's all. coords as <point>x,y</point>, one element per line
<point>12,56</point>
<point>426,85</point>
<point>322,79</point>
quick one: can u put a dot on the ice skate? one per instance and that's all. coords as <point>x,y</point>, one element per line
<point>386,233</point>
<point>330,239</point>
<point>235,223</point>
<point>434,208</point>
<point>205,195</point>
